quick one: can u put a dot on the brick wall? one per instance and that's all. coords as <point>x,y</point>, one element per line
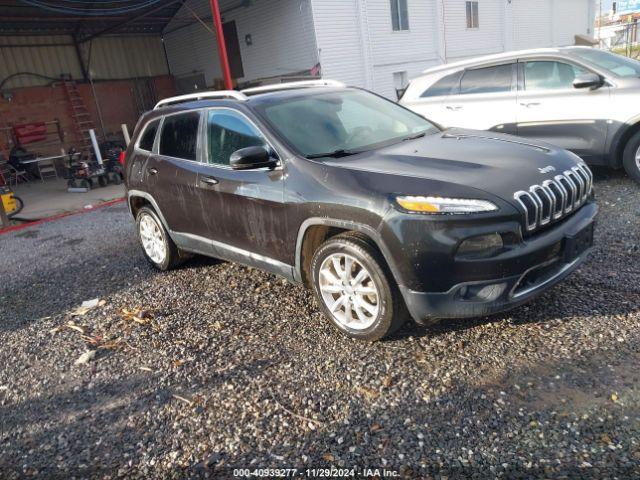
<point>117,102</point>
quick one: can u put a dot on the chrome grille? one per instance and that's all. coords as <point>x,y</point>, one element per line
<point>555,198</point>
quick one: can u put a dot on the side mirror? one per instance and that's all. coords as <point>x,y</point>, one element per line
<point>252,157</point>
<point>588,80</point>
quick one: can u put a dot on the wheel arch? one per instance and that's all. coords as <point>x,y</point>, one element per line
<point>620,139</point>
<point>136,199</point>
<point>315,231</point>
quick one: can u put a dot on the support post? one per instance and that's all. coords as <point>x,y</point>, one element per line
<point>125,134</point>
<point>96,148</point>
<point>4,219</point>
<point>83,67</point>
<point>222,46</point>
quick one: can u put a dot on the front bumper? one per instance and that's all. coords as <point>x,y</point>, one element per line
<point>521,279</point>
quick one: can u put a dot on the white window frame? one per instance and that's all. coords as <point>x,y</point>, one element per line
<point>473,18</point>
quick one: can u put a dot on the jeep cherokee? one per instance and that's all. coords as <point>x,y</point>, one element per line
<point>377,209</point>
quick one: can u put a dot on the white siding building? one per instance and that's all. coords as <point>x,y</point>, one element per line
<point>377,44</point>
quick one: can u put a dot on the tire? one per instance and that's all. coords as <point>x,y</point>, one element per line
<point>169,255</point>
<point>379,315</point>
<point>115,178</point>
<point>84,183</point>
<point>102,180</point>
<point>71,183</point>
<point>19,207</point>
<point>631,157</point>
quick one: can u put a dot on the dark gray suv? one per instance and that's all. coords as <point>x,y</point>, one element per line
<point>374,207</point>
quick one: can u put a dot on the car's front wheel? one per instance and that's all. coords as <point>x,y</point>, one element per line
<point>355,290</point>
<point>631,157</point>
<point>156,244</point>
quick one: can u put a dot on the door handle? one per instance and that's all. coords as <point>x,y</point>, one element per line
<point>530,104</point>
<point>454,108</point>
<point>152,171</point>
<point>209,180</point>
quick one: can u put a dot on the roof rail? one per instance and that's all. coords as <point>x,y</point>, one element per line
<point>201,96</point>
<point>285,86</point>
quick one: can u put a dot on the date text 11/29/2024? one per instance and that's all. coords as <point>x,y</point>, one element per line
<point>316,472</point>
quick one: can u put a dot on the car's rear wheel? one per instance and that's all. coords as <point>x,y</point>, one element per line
<point>355,290</point>
<point>158,248</point>
<point>631,157</point>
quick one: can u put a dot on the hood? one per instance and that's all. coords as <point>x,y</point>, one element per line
<point>496,163</point>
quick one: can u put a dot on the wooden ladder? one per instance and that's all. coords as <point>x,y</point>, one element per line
<point>81,117</point>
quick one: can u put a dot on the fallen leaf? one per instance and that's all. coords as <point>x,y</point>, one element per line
<point>328,457</point>
<point>75,327</point>
<point>606,439</point>
<point>369,393</point>
<point>614,397</point>
<point>386,383</point>
<point>375,427</point>
<point>182,399</point>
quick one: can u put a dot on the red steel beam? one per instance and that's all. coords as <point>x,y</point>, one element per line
<point>222,46</point>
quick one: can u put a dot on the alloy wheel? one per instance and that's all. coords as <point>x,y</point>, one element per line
<point>152,239</point>
<point>349,292</point>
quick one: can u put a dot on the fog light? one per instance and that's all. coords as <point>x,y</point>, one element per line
<point>491,292</point>
<point>481,246</point>
<point>482,293</point>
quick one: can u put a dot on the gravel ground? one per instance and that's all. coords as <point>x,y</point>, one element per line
<point>217,366</point>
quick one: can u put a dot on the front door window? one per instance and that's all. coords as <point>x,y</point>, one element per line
<point>229,131</point>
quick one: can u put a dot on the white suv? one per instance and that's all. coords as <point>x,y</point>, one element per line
<point>579,98</point>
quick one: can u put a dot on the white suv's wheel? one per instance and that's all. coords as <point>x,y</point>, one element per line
<point>156,244</point>
<point>631,157</point>
<point>354,288</point>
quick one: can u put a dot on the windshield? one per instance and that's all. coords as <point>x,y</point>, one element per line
<point>339,123</point>
<point>616,64</point>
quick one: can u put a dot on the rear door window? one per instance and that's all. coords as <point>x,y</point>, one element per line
<point>487,80</point>
<point>444,86</point>
<point>179,137</point>
<point>149,136</point>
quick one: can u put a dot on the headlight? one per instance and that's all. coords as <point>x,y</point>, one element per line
<point>444,205</point>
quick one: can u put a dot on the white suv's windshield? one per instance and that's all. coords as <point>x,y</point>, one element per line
<point>616,64</point>
<point>340,123</point>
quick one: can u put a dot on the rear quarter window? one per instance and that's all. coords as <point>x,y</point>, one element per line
<point>148,135</point>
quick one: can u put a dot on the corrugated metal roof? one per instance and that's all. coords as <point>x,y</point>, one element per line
<point>111,58</point>
<point>84,19</point>
<point>51,61</point>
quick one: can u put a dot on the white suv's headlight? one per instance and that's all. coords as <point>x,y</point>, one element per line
<point>444,205</point>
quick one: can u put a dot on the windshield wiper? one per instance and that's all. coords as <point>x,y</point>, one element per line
<point>335,154</point>
<point>413,137</point>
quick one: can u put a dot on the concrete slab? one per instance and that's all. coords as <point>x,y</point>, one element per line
<point>48,198</point>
